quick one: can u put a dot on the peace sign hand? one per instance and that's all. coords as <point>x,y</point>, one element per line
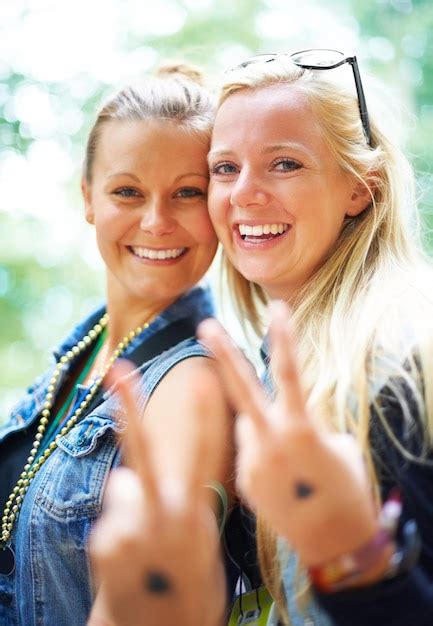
<point>310,486</point>
<point>156,546</point>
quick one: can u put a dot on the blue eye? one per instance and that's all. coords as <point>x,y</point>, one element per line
<point>189,192</point>
<point>127,192</point>
<point>223,169</point>
<point>286,165</point>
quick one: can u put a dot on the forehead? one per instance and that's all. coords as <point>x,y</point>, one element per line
<point>271,113</point>
<point>148,141</point>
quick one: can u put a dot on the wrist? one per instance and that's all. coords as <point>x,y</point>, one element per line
<point>377,559</point>
<point>375,572</point>
<point>363,566</point>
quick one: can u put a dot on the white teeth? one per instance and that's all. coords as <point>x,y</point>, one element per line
<point>262,229</point>
<point>148,253</point>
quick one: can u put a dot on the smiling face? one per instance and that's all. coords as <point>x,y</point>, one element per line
<point>277,196</point>
<point>148,202</point>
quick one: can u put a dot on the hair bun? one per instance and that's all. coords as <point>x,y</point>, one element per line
<point>173,69</point>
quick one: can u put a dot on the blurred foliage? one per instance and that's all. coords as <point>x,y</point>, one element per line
<point>49,274</point>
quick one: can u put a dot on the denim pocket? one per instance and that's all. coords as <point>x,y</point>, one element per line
<point>74,476</point>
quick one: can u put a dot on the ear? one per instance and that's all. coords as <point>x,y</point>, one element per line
<point>86,190</point>
<point>360,198</point>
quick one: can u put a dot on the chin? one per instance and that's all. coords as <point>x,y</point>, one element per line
<point>256,275</point>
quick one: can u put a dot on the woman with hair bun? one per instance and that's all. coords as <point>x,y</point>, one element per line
<point>145,192</point>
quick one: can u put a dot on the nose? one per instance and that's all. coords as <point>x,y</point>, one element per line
<point>157,218</point>
<point>248,190</point>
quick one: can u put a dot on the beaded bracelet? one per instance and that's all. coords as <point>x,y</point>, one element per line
<point>218,488</point>
<point>348,568</point>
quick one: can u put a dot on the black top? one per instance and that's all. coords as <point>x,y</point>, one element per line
<point>406,600</point>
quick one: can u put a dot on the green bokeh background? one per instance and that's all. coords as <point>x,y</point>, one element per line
<point>57,59</point>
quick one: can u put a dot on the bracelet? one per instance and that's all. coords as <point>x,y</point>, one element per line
<point>347,568</point>
<point>407,553</point>
<point>222,504</point>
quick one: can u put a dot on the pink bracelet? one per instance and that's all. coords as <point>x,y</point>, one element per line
<point>336,574</point>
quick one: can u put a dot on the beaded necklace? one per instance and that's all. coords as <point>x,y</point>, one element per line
<point>62,413</point>
<point>35,462</point>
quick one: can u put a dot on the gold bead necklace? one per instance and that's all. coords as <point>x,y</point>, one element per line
<point>14,502</point>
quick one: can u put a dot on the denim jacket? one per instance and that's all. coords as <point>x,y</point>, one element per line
<point>52,582</point>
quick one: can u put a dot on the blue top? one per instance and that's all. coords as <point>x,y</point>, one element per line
<point>51,584</point>
<point>406,600</point>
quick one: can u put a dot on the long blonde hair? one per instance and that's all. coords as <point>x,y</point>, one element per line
<point>363,319</point>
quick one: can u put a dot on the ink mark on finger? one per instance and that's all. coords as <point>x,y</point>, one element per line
<point>303,490</point>
<point>158,583</point>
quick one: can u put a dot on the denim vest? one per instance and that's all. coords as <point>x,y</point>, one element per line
<point>312,614</point>
<point>52,582</point>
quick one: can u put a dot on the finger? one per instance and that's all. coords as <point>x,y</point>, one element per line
<point>247,457</point>
<point>239,379</point>
<point>291,398</point>
<point>123,493</point>
<point>121,529</point>
<point>134,439</point>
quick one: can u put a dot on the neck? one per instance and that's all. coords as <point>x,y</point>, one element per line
<point>126,315</point>
<point>284,293</point>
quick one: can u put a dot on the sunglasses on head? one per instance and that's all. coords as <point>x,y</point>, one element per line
<point>321,59</point>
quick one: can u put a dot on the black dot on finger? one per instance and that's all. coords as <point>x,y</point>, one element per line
<point>303,490</point>
<point>156,582</point>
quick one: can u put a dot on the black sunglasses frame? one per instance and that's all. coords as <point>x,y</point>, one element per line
<point>351,60</point>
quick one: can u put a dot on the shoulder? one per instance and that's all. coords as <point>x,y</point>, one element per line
<point>158,369</point>
<point>178,387</point>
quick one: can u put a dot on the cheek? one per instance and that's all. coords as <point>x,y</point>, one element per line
<point>219,203</point>
<point>319,233</point>
<point>111,226</point>
<point>202,229</point>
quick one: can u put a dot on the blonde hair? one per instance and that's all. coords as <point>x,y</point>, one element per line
<point>363,319</point>
<point>175,94</point>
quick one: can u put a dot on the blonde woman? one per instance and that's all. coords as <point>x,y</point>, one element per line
<point>313,204</point>
<point>311,201</point>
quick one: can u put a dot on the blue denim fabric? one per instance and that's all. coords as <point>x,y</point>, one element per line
<point>52,583</point>
<point>312,614</point>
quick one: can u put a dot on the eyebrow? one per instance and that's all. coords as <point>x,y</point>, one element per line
<point>283,146</point>
<point>191,174</point>
<point>125,174</point>
<point>266,150</point>
<point>218,153</point>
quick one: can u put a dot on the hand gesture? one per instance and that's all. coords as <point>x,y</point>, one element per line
<point>310,485</point>
<point>156,546</point>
